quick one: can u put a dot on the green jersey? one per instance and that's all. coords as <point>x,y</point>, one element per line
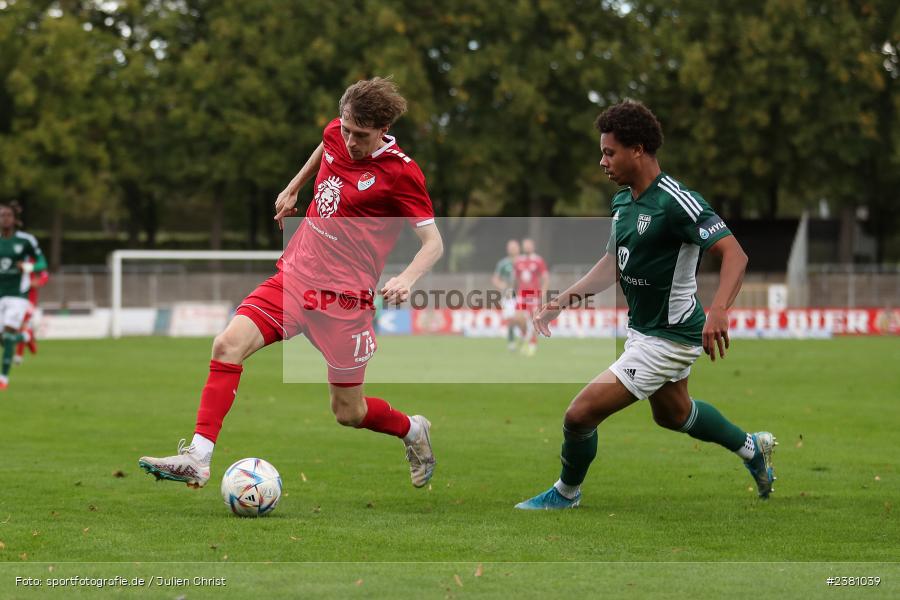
<point>658,240</point>
<point>14,250</point>
<point>506,272</point>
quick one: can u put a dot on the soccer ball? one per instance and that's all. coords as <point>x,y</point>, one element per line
<point>251,487</point>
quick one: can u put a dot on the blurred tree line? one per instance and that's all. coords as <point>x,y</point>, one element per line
<point>144,114</point>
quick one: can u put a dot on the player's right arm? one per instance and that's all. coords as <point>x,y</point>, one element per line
<point>287,199</point>
<point>41,274</point>
<point>599,278</point>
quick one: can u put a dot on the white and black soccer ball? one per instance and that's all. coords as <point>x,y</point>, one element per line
<point>251,487</point>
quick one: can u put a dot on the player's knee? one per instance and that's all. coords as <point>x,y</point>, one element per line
<point>349,417</point>
<point>577,417</point>
<point>226,348</point>
<point>669,420</point>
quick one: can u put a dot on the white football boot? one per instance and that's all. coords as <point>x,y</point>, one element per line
<point>419,454</point>
<point>186,466</point>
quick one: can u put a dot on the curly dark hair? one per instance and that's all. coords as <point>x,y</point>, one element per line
<point>633,124</point>
<point>17,211</point>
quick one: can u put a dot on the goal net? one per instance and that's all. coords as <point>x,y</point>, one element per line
<point>181,292</point>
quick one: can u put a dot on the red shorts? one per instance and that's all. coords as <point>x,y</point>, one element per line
<point>339,326</point>
<point>528,301</point>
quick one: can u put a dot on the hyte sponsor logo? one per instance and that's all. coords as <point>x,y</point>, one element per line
<point>328,196</point>
<point>717,227</point>
<point>711,227</point>
<point>366,180</point>
<point>643,223</point>
<point>622,255</point>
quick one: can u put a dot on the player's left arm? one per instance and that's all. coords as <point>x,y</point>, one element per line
<point>41,274</point>
<point>695,222</point>
<point>731,275</point>
<point>414,203</point>
<point>40,264</point>
<point>397,289</point>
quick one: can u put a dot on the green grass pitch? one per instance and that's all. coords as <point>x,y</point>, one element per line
<point>661,514</point>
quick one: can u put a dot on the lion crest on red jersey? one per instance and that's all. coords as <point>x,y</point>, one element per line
<point>328,196</point>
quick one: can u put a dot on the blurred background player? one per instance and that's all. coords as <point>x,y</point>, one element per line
<point>504,279</point>
<point>532,280</point>
<point>19,252</point>
<point>366,190</point>
<point>38,278</point>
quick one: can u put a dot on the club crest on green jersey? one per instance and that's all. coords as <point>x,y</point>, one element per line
<point>643,223</point>
<point>622,255</point>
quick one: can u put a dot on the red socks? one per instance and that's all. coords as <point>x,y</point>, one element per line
<point>382,418</point>
<point>217,397</point>
<point>221,387</point>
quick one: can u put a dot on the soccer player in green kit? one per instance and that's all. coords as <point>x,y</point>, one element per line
<point>16,247</point>
<point>660,230</point>
<point>504,279</point>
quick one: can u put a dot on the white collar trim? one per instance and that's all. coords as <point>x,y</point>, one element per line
<point>391,141</point>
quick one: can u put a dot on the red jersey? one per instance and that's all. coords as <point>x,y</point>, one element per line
<point>359,208</point>
<point>38,280</point>
<point>529,270</point>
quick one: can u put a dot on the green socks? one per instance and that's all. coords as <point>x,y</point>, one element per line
<point>9,349</point>
<point>707,424</point>
<point>578,451</point>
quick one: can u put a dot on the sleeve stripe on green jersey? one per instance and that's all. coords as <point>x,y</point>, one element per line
<point>691,201</point>
<point>684,199</point>
<point>27,236</point>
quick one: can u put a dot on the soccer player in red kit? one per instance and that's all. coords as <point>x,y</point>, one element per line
<point>366,190</point>
<point>38,279</point>
<point>532,280</point>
